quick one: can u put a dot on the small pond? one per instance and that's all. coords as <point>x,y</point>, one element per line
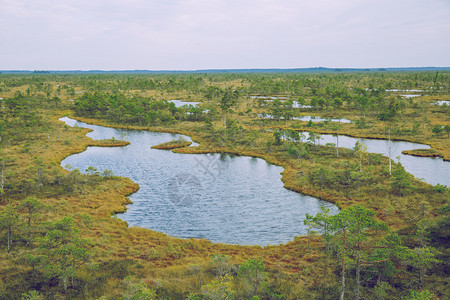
<point>295,104</point>
<point>397,90</point>
<point>269,97</point>
<point>309,118</point>
<point>409,96</point>
<point>181,103</point>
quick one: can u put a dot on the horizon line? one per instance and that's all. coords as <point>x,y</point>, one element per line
<point>222,69</point>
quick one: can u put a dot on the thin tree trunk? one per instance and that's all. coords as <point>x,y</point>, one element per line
<point>71,277</point>
<point>255,287</point>
<point>337,144</point>
<point>65,284</point>
<point>9,238</point>
<point>421,274</point>
<point>309,243</point>
<point>389,152</point>
<point>343,271</point>
<point>3,167</point>
<point>29,231</point>
<point>357,277</point>
<point>342,280</point>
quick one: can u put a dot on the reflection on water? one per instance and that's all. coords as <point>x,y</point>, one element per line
<point>309,118</point>
<point>396,90</point>
<point>268,97</point>
<point>409,96</point>
<point>227,199</point>
<point>432,170</point>
<point>180,103</point>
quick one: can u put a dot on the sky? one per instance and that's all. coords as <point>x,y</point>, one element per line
<point>222,34</point>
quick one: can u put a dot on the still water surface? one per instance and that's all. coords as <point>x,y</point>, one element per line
<point>309,118</point>
<point>181,103</point>
<point>431,170</point>
<point>236,200</point>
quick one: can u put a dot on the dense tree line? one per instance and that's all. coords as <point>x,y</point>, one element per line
<point>117,107</point>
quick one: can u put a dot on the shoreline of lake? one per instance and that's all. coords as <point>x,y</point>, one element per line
<point>243,235</point>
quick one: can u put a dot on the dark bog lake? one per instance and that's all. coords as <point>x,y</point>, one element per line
<point>222,198</point>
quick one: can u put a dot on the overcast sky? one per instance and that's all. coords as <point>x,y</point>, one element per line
<point>211,34</point>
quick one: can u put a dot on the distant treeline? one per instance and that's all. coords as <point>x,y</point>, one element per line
<point>269,70</point>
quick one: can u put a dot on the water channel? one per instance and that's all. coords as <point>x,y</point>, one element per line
<point>432,170</point>
<point>227,199</point>
<point>308,118</point>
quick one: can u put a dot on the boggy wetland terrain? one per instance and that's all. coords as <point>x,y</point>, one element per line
<point>380,232</point>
